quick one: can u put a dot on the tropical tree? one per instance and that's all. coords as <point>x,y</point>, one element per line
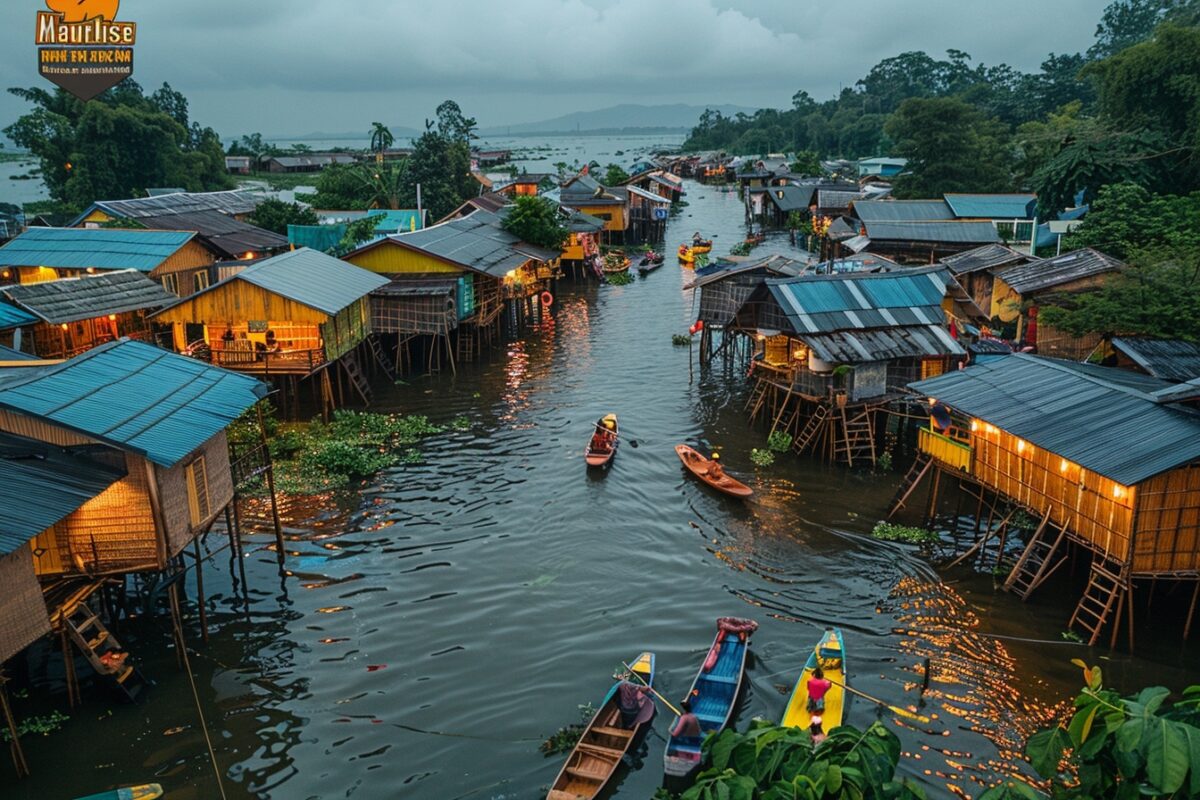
<point>614,175</point>
<point>276,215</point>
<point>381,137</point>
<point>950,147</point>
<point>536,220</point>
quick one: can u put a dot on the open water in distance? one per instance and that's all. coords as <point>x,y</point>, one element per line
<point>444,619</point>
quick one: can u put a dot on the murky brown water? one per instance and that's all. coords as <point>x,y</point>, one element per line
<point>439,624</point>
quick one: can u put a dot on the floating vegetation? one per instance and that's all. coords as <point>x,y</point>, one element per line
<point>779,441</point>
<point>887,532</point>
<point>762,458</point>
<point>43,726</point>
<point>566,737</point>
<point>1071,636</point>
<point>884,462</point>
<point>680,339</point>
<point>619,278</point>
<point>461,423</point>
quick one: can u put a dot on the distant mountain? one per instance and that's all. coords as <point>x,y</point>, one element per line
<point>678,116</point>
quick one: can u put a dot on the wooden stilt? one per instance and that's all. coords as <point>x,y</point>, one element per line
<point>1129,612</point>
<point>1187,627</point>
<point>200,591</point>
<point>69,669</point>
<point>176,623</point>
<point>14,738</point>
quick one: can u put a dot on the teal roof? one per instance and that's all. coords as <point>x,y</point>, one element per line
<point>42,485</point>
<point>993,206</point>
<point>99,248</point>
<point>13,317</point>
<point>313,279</point>
<point>396,221</point>
<point>134,397</point>
<point>8,354</point>
<point>318,237</point>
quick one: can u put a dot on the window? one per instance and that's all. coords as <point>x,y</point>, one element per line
<point>200,281</point>
<point>170,283</point>
<point>197,487</point>
<point>605,217</point>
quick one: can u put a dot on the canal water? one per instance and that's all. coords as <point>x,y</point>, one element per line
<point>438,623</point>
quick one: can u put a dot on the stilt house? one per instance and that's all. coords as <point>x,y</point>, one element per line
<point>724,287</point>
<point>974,269</point>
<point>1094,454</point>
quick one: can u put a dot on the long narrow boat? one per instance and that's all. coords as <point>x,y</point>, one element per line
<point>686,256</point>
<point>701,467</point>
<point>702,247</point>
<point>830,655</point>
<point>649,266</point>
<point>714,692</point>
<point>148,791</point>
<point>603,744</point>
<point>602,456</point>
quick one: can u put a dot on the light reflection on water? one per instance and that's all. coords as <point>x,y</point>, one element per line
<point>439,622</point>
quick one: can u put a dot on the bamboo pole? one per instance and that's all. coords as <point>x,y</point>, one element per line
<point>14,742</point>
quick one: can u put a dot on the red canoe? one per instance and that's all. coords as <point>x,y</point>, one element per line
<point>701,468</point>
<point>598,454</point>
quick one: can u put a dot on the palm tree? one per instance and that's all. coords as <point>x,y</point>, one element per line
<point>381,138</point>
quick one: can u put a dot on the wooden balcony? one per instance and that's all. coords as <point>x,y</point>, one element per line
<point>269,362</point>
<point>952,451</point>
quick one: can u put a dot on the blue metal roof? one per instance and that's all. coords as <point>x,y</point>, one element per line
<point>396,221</point>
<point>313,279</point>
<point>42,485</point>
<point>901,210</point>
<point>1094,416</point>
<point>947,231</point>
<point>13,317</point>
<point>99,248</point>
<point>993,206</point>
<point>135,397</point>
<point>8,354</point>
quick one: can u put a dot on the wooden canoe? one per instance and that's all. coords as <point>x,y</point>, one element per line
<point>650,266</point>
<point>603,744</point>
<point>615,261</point>
<point>713,694</point>
<point>598,457</point>
<point>830,654</point>
<point>699,466</point>
<point>148,791</point>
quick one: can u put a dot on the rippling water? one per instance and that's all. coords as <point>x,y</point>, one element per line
<point>437,625</point>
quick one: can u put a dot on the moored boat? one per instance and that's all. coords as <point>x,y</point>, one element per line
<point>713,693</point>
<point>830,656</point>
<point>686,256</point>
<point>702,468</point>
<point>602,445</point>
<point>604,742</point>
<point>615,261</point>
<point>148,791</point>
<point>702,247</point>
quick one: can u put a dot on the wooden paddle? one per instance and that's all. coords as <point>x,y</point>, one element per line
<point>642,680</point>
<point>616,434</point>
<point>894,709</point>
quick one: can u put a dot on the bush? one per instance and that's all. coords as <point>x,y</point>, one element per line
<point>779,441</point>
<point>680,339</point>
<point>887,532</point>
<point>338,457</point>
<point>620,278</point>
<point>762,458</point>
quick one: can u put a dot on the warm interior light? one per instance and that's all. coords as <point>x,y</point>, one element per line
<point>63,326</point>
<point>1062,465</point>
<point>246,256</point>
<point>933,401</point>
<point>112,317</point>
<point>1118,491</point>
<point>974,425</point>
<point>1020,445</point>
<point>91,270</point>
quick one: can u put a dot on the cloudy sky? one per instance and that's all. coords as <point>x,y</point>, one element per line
<point>328,65</point>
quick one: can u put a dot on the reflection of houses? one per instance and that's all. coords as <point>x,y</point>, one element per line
<point>1105,468</point>
<point>46,254</point>
<point>286,319</point>
<point>832,351</point>
<point>76,314</point>
<point>494,271</point>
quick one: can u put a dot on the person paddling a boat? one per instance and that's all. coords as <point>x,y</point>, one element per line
<point>633,703</point>
<point>715,470</point>
<point>688,725</point>
<point>818,686</point>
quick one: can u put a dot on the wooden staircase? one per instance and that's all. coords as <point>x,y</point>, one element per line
<point>855,438</point>
<point>465,346</point>
<point>1038,561</point>
<point>101,648</point>
<point>1108,587</point>
<point>378,355</point>
<point>358,378</point>
<point>811,429</point>
<point>758,396</point>
<point>916,473</point>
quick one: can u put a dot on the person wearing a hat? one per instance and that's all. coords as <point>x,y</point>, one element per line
<point>715,470</point>
<point>814,728</point>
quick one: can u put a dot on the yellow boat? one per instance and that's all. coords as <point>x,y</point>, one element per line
<point>830,654</point>
<point>686,256</point>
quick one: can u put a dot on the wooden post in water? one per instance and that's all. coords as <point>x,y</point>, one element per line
<point>14,739</point>
<point>200,590</point>
<point>270,473</point>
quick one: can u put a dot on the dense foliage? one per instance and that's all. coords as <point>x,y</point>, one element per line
<point>118,145</point>
<point>536,220</point>
<point>276,215</point>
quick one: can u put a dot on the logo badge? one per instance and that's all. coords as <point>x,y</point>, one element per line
<point>82,47</point>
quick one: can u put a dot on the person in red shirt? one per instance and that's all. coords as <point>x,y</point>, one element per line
<point>818,685</point>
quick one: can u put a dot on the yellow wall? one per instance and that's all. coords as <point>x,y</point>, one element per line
<point>39,274</point>
<point>239,301</point>
<point>388,258</point>
<point>96,217</point>
<point>617,212</point>
<point>1006,304</point>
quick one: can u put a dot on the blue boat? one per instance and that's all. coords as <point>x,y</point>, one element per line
<point>713,694</point>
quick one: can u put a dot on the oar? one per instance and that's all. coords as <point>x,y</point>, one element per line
<point>616,435</point>
<point>674,710</point>
<point>894,709</point>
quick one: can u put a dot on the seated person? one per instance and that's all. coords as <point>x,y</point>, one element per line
<point>818,686</point>
<point>687,727</point>
<point>715,470</point>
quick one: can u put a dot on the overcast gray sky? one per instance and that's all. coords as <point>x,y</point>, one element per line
<point>331,65</point>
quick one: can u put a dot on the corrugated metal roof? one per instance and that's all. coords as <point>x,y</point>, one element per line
<point>13,317</point>
<point>986,257</point>
<point>221,233</point>
<point>312,278</point>
<point>72,299</point>
<point>837,198</point>
<point>417,286</point>
<point>790,198</point>
<point>135,397</point>
<point>1058,270</point>
<point>901,210</point>
<point>884,344</point>
<point>8,354</point>
<point>1169,359</point>
<point>580,222</point>
<point>770,265</point>
<point>954,232</point>
<point>475,242</point>
<point>101,248</point>
<point>42,485</point>
<point>237,201</point>
<point>993,206</point>
<point>1083,415</point>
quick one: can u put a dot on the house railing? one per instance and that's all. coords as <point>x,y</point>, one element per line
<point>949,449</point>
<point>268,361</point>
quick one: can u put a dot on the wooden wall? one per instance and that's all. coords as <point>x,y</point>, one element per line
<point>116,530</point>
<point>1168,523</point>
<point>388,257</point>
<point>23,615</point>
<point>613,215</point>
<point>351,325</point>
<point>184,264</point>
<point>173,489</point>
<point>239,301</point>
<point>1090,505</point>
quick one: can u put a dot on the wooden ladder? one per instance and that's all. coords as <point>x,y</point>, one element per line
<point>916,473</point>
<point>465,346</point>
<point>358,378</point>
<point>1037,561</point>
<point>756,398</point>
<point>857,437</point>
<point>811,429</point>
<point>377,353</point>
<point>94,640</point>
<point>1108,584</point>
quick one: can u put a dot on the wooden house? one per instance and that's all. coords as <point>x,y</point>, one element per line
<point>974,269</point>
<point>13,324</point>
<point>238,203</point>
<point>1014,215</point>
<point>583,240</point>
<point>831,351</point>
<point>306,162</point>
<point>1096,455</point>
<point>76,314</point>
<point>1167,359</point>
<point>773,205</point>
<point>1018,291</point>
<point>527,184</point>
<point>284,318</point>
<point>648,215</point>
<point>584,193</point>
<point>157,422</point>
<point>237,165</point>
<point>659,182</point>
<point>174,258</point>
